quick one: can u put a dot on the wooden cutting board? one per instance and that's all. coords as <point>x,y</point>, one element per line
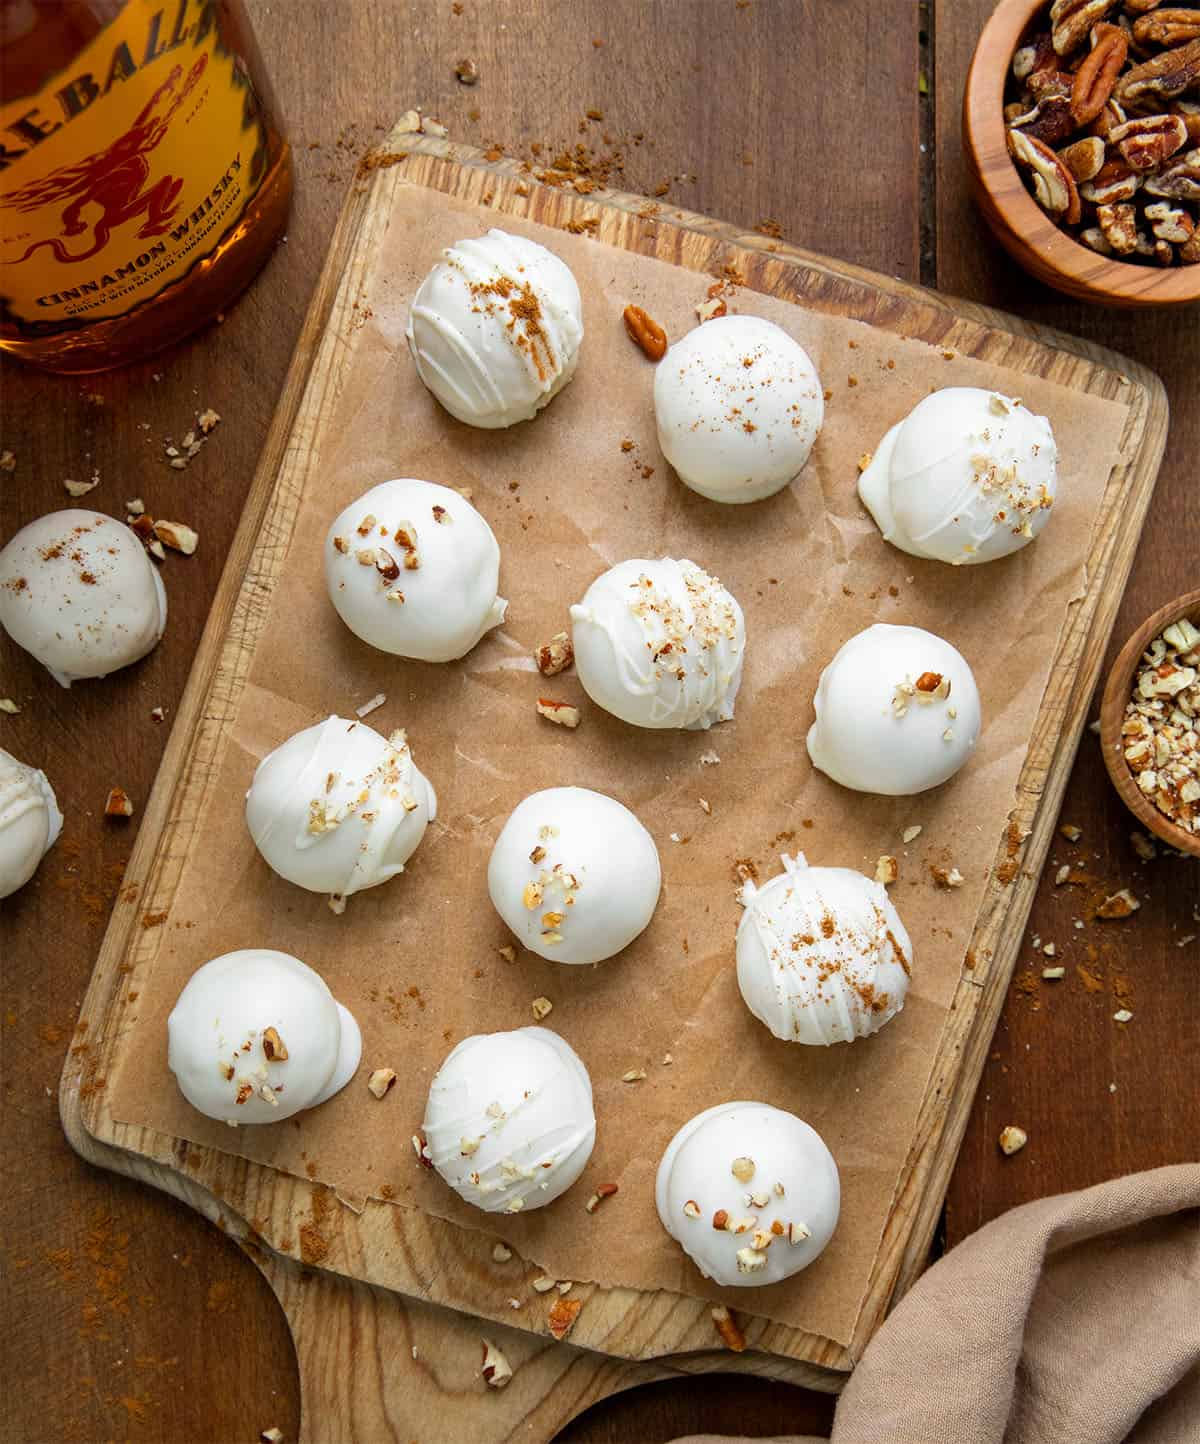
<point>371,1295</point>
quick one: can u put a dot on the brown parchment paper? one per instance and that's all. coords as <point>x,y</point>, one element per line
<point>417,959</point>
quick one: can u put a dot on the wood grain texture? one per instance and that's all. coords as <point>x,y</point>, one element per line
<point>124,1307</point>
<point>1097,1100</point>
<point>397,1247</point>
<point>1017,221</point>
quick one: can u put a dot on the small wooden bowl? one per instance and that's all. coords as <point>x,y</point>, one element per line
<point>1020,225</point>
<point>1117,693</point>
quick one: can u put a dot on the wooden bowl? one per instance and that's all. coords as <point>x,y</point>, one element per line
<point>1117,692</point>
<point>1020,225</point>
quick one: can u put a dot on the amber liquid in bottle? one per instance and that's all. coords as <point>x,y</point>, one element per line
<point>144,178</point>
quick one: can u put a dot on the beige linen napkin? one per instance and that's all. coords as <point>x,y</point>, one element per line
<point>1071,1320</point>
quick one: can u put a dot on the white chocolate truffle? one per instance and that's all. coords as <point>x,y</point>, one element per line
<point>660,644</point>
<point>29,822</point>
<point>509,1123</point>
<point>822,956</point>
<point>495,329</point>
<point>967,476</point>
<point>412,569</point>
<point>897,712</point>
<point>79,593</point>
<point>337,808</point>
<point>738,405</point>
<point>256,1036</point>
<point>574,874</point>
<point>751,1193</point>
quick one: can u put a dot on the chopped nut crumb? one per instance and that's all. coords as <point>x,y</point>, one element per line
<point>8,705</point>
<point>371,706</point>
<point>910,834</point>
<point>727,1327</point>
<point>1052,975</point>
<point>1012,1139</point>
<point>544,1284</point>
<point>380,1081</point>
<point>497,1371</point>
<point>542,1008</point>
<point>797,1232</point>
<point>562,1317</point>
<point>750,1261</point>
<point>1122,1015</point>
<point>118,803</point>
<point>742,1169</point>
<point>274,1047</point>
<point>603,1191</point>
<point>705,806</point>
<point>508,953</point>
<point>555,656</point>
<point>1071,832</point>
<point>1062,875</point>
<point>691,1209</point>
<point>271,1436</point>
<point>887,870</point>
<point>80,488</point>
<point>561,712</point>
<point>501,1252</point>
<point>1120,904</point>
<point>633,1075</point>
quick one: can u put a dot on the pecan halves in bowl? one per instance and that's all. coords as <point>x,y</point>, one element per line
<point>1072,21</point>
<point>1168,75</point>
<point>1173,25</point>
<point>1146,144</point>
<point>1053,184</point>
<point>1096,77</point>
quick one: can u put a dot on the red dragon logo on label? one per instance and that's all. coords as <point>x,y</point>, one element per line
<point>115,179</point>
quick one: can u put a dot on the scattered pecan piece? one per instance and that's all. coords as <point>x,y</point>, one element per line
<point>497,1371</point>
<point>562,1317</point>
<point>728,1328</point>
<point>118,803</point>
<point>1170,223</point>
<point>177,536</point>
<point>1181,182</point>
<point>561,712</point>
<point>556,655</point>
<point>648,334</point>
<point>380,1081</point>
<point>603,1191</point>
<point>1012,1139</point>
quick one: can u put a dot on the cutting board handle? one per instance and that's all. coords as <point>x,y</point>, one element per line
<point>376,1366</point>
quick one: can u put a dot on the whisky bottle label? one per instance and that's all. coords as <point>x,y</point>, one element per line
<point>127,169</point>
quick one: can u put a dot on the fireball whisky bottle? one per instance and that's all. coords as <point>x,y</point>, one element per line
<point>143,176</point>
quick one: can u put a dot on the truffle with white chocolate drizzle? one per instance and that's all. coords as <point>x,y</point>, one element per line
<point>29,822</point>
<point>509,1123</point>
<point>897,712</point>
<point>660,644</point>
<point>495,329</point>
<point>822,956</point>
<point>338,808</point>
<point>750,1192</point>
<point>968,476</point>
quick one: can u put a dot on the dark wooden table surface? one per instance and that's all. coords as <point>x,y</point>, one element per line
<point>126,1316</point>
